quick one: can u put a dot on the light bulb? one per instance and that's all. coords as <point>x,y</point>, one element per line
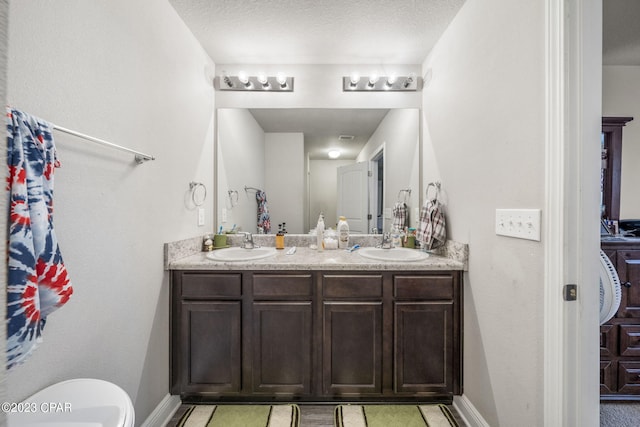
<point>373,80</point>
<point>282,80</point>
<point>244,79</point>
<point>354,79</point>
<point>263,80</point>
<point>391,80</point>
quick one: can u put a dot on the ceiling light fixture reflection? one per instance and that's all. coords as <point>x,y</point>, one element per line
<point>333,154</point>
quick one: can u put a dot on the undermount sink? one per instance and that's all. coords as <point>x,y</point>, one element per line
<point>241,254</point>
<point>393,254</point>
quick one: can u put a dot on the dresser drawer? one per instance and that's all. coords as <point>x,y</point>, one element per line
<point>352,286</point>
<point>629,340</point>
<point>282,285</point>
<point>629,377</point>
<point>423,287</point>
<point>211,285</point>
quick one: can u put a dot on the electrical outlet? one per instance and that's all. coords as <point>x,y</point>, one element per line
<point>518,223</point>
<point>224,215</point>
<point>200,217</point>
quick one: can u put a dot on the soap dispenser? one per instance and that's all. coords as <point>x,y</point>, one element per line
<point>320,233</point>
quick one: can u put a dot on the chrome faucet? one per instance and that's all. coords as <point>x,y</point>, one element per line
<point>386,241</point>
<point>247,243</point>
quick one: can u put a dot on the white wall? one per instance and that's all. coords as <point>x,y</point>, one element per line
<point>284,179</point>
<point>621,98</point>
<point>399,131</point>
<point>484,123</point>
<point>131,73</point>
<point>241,148</point>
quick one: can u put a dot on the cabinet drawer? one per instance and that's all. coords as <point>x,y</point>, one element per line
<point>423,287</point>
<point>282,285</point>
<point>352,286</point>
<point>201,285</point>
<point>629,340</point>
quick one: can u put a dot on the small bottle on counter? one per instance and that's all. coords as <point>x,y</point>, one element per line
<point>320,232</point>
<point>343,233</point>
<point>280,236</point>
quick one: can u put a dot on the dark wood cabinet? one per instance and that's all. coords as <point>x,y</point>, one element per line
<point>316,336</point>
<point>620,336</point>
<point>352,348</point>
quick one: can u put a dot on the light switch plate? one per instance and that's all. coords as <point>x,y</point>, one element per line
<point>200,217</point>
<point>518,223</point>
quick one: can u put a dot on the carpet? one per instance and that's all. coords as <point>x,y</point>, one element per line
<point>241,416</point>
<point>394,416</point>
<point>619,414</point>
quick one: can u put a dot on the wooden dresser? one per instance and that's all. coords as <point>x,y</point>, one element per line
<point>620,336</point>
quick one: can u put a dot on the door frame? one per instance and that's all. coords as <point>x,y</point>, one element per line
<point>373,186</point>
<point>573,50</point>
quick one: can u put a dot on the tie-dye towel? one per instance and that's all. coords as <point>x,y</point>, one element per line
<point>264,220</point>
<point>37,282</point>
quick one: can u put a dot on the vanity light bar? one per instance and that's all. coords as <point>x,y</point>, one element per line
<point>260,83</point>
<point>375,83</point>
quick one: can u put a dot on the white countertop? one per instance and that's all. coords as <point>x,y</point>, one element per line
<point>311,259</point>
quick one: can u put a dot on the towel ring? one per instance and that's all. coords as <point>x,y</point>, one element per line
<point>231,194</point>
<point>435,185</point>
<point>198,197</point>
<point>406,192</point>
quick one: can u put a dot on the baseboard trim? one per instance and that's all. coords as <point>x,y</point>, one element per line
<point>468,412</point>
<point>163,412</point>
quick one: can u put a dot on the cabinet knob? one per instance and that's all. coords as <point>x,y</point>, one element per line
<point>626,284</point>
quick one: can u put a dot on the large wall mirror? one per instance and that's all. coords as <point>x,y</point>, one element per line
<point>285,155</point>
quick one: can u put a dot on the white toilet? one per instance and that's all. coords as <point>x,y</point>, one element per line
<point>80,402</point>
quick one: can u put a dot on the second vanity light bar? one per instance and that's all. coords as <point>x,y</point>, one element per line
<point>374,83</point>
<point>259,83</point>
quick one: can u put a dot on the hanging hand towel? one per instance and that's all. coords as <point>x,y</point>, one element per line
<point>264,221</point>
<point>37,281</point>
<point>400,220</point>
<point>431,230</point>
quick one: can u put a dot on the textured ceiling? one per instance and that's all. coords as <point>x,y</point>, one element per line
<point>317,31</point>
<point>621,27</point>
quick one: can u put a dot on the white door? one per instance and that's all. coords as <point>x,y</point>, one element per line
<point>353,198</point>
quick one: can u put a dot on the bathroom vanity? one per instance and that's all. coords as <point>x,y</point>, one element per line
<point>316,326</point>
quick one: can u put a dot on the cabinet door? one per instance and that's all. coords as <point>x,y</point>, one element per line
<point>352,351</point>
<point>211,346</point>
<point>282,347</point>
<point>423,347</point>
<point>628,267</point>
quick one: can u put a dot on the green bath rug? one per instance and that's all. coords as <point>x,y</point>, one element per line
<point>241,416</point>
<point>394,416</point>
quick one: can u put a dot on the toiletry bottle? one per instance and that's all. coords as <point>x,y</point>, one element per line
<point>320,232</point>
<point>396,237</point>
<point>343,233</point>
<point>280,237</point>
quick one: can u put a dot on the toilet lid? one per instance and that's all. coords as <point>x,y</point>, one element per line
<point>79,402</point>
